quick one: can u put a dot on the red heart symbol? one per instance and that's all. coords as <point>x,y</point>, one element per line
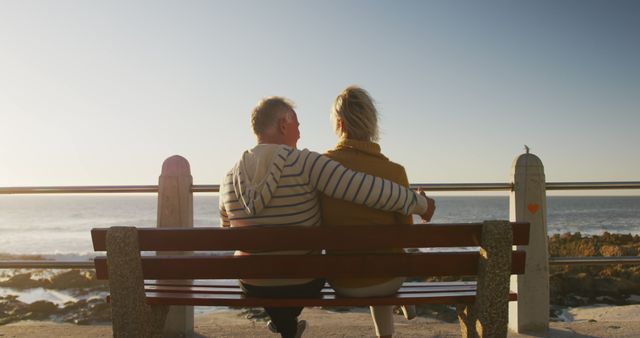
<point>533,207</point>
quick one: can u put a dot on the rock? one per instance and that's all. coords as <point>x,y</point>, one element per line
<point>83,280</point>
<point>14,310</point>
<point>609,300</point>
<point>94,310</point>
<point>89,315</point>
<point>100,312</point>
<point>24,281</point>
<point>555,313</point>
<point>10,309</point>
<point>611,250</point>
<point>573,300</point>
<point>40,310</point>
<point>76,279</point>
<point>85,312</point>
<point>74,306</point>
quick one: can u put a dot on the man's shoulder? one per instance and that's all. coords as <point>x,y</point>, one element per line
<point>228,175</point>
<point>227,181</point>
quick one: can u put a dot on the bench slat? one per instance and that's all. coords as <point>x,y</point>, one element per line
<point>311,238</point>
<point>233,283</point>
<point>311,266</point>
<point>170,298</point>
<point>225,290</point>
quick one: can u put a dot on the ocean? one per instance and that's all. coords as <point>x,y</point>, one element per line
<point>57,226</point>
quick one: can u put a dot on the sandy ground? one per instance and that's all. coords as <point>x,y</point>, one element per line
<point>605,321</point>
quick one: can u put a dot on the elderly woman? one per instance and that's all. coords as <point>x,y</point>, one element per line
<point>356,123</point>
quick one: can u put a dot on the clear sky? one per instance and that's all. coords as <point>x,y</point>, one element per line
<point>101,92</point>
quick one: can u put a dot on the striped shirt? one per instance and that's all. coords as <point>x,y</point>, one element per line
<point>285,191</point>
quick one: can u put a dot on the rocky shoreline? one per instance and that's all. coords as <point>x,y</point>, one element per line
<point>571,286</point>
<point>86,295</point>
<point>574,286</point>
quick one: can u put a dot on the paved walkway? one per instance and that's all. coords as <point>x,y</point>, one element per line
<point>619,322</point>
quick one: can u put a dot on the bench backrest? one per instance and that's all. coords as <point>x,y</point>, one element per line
<point>452,262</point>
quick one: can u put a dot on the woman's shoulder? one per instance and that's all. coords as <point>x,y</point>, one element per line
<point>331,153</point>
<point>368,162</point>
<point>343,155</point>
<point>399,167</point>
<point>398,171</point>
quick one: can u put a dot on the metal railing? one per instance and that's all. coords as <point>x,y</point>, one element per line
<point>29,264</point>
<point>201,188</point>
<point>97,189</point>
<point>592,185</point>
<point>594,260</point>
<point>213,188</point>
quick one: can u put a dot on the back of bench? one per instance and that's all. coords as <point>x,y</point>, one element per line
<point>223,265</point>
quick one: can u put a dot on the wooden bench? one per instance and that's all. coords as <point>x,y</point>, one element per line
<point>142,287</point>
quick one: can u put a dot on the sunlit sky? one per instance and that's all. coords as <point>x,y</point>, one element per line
<point>101,92</point>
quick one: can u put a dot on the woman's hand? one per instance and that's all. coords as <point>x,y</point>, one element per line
<point>431,207</point>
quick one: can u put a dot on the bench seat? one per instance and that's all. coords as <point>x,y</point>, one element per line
<point>196,267</point>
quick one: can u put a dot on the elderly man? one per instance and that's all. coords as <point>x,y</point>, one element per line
<point>276,183</point>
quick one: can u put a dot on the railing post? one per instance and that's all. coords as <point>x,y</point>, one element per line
<point>527,203</point>
<point>175,209</point>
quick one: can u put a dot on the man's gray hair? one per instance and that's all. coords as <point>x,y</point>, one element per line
<point>269,111</point>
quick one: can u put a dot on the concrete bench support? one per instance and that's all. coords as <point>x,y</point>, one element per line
<point>131,317</point>
<point>488,316</point>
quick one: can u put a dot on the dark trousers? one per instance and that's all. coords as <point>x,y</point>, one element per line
<point>285,318</point>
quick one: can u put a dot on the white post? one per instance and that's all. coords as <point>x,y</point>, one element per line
<point>528,204</point>
<point>175,209</point>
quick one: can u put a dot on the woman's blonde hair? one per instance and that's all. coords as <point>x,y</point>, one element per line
<point>359,116</point>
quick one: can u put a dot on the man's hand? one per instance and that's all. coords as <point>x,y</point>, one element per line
<point>431,207</point>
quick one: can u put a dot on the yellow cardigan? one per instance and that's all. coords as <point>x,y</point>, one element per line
<point>366,157</point>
